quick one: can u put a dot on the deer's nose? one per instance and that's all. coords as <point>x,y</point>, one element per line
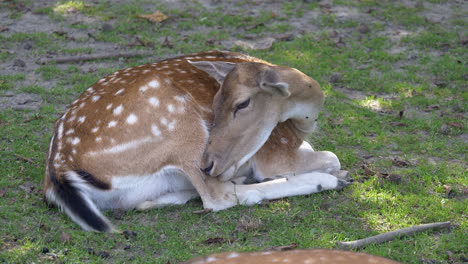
<point>208,169</point>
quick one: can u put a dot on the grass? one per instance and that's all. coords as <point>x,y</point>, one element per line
<point>403,98</point>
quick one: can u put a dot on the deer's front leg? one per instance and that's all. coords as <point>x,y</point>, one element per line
<point>215,194</point>
<point>301,184</point>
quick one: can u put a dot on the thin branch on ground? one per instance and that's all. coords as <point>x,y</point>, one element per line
<point>95,57</point>
<point>391,235</point>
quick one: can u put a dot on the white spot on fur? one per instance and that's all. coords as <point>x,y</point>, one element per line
<point>232,255</point>
<point>109,106</point>
<point>155,130</point>
<point>124,146</point>
<point>75,140</point>
<point>98,139</point>
<point>211,259</point>
<point>146,71</point>
<point>95,98</point>
<point>112,123</point>
<point>70,131</point>
<point>169,125</point>
<point>180,109</point>
<point>81,119</point>
<point>60,130</point>
<point>170,108</point>
<point>120,91</point>
<point>179,99</point>
<point>153,101</point>
<point>94,130</point>
<point>118,110</point>
<point>132,119</point>
<point>143,88</point>
<point>153,84</point>
<point>284,140</point>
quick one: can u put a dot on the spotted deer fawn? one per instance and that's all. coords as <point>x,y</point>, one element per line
<point>197,125</point>
<point>314,256</point>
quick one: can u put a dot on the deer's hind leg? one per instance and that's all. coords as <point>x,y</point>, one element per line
<point>291,172</point>
<point>287,162</point>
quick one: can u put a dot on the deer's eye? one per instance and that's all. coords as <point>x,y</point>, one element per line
<point>241,105</point>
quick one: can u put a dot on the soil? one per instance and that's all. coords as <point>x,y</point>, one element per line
<point>25,59</point>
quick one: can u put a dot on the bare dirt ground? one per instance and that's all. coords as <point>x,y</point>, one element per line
<point>25,59</point>
<point>418,155</point>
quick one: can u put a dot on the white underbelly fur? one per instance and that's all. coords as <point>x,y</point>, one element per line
<point>130,191</point>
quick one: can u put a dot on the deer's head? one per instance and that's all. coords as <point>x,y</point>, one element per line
<point>252,100</point>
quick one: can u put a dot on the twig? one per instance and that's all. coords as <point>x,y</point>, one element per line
<point>19,157</point>
<point>204,211</point>
<point>390,235</point>
<point>96,57</point>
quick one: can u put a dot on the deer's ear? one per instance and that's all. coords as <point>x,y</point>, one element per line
<point>216,69</point>
<point>269,81</point>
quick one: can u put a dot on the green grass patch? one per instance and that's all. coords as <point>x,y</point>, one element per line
<point>7,81</point>
<point>403,99</point>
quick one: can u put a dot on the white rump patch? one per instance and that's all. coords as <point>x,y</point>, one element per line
<point>153,84</point>
<point>118,110</point>
<point>112,123</point>
<point>132,119</point>
<point>153,101</point>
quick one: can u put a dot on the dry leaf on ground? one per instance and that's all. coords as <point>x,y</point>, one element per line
<point>157,17</point>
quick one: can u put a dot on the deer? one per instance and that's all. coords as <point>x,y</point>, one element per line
<point>311,256</point>
<point>219,125</point>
